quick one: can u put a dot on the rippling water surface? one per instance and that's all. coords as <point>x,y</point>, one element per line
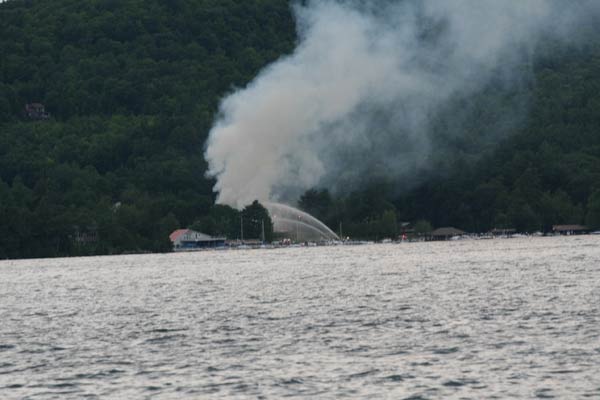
<point>484,319</point>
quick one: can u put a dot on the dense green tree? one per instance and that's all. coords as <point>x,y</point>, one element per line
<point>423,227</point>
<point>221,221</point>
<point>523,217</point>
<point>131,88</point>
<point>318,203</point>
<point>593,211</point>
<point>389,224</point>
<point>257,223</point>
<point>557,208</point>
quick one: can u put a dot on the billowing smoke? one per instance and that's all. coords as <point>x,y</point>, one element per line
<point>358,95</point>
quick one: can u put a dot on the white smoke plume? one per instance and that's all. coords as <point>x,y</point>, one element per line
<point>362,86</point>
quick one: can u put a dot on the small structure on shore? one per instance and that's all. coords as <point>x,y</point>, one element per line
<point>570,229</point>
<point>36,111</point>
<point>405,229</point>
<point>446,233</point>
<point>84,235</point>
<point>188,240</point>
<point>503,232</point>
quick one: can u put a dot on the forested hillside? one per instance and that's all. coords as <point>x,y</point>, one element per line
<point>132,87</point>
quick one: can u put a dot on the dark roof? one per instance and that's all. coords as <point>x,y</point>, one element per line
<point>197,236</point>
<point>447,231</point>
<point>503,230</point>
<point>569,228</point>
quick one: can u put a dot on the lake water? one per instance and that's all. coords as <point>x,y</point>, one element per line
<point>489,319</point>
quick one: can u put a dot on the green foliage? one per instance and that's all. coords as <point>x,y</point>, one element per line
<point>257,222</point>
<point>224,221</point>
<point>221,221</point>
<point>423,227</point>
<point>388,224</point>
<point>593,207</point>
<point>317,203</point>
<point>132,87</point>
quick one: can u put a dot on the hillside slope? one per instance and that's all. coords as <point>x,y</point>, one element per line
<point>131,88</point>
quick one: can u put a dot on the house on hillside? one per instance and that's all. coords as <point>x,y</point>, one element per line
<point>36,111</point>
<point>570,229</point>
<point>446,233</point>
<point>84,235</point>
<point>187,240</point>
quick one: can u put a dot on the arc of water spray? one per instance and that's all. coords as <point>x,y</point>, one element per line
<point>289,214</point>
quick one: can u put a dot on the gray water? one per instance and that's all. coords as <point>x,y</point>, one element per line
<point>517,318</point>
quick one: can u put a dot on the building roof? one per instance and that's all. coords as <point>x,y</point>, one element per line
<point>447,231</point>
<point>176,234</point>
<point>204,236</point>
<point>198,236</point>
<point>503,230</point>
<point>569,228</point>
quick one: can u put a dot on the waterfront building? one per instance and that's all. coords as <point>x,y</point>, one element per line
<point>187,240</point>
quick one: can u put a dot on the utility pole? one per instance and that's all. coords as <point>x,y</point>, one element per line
<point>341,233</point>
<point>262,221</point>
<point>242,228</point>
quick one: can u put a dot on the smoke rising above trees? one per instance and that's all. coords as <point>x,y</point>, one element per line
<point>362,94</point>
